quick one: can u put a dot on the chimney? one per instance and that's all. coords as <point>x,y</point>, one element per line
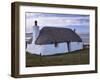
<point>35,31</point>
<point>35,22</point>
<point>74,30</point>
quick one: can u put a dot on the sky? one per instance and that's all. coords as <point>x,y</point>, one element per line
<point>73,21</point>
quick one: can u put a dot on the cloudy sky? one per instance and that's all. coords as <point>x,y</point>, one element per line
<point>73,21</point>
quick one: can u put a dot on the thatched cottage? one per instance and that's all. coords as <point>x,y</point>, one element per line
<point>53,40</point>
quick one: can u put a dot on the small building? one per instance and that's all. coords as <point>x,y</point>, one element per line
<point>54,40</point>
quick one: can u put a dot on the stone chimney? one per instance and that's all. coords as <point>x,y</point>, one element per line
<point>35,31</point>
<point>74,30</point>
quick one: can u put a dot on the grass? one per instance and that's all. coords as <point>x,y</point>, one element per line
<point>71,58</point>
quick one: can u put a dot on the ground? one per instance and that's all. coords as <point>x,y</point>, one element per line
<point>71,58</point>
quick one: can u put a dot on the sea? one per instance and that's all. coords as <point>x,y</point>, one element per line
<point>85,38</point>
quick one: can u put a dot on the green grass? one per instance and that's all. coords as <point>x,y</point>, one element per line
<point>71,58</point>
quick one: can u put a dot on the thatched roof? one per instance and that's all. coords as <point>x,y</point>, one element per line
<point>50,35</point>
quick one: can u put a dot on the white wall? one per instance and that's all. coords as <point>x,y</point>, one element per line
<point>76,46</point>
<point>5,41</point>
<point>51,49</point>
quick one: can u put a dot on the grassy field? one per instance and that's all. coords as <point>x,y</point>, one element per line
<point>71,58</point>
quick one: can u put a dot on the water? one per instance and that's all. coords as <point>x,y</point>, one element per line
<point>85,38</point>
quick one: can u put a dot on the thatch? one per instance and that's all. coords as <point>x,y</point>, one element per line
<point>50,35</point>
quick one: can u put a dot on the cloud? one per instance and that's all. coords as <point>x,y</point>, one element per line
<point>59,20</point>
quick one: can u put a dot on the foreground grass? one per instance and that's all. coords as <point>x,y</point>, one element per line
<point>71,58</point>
